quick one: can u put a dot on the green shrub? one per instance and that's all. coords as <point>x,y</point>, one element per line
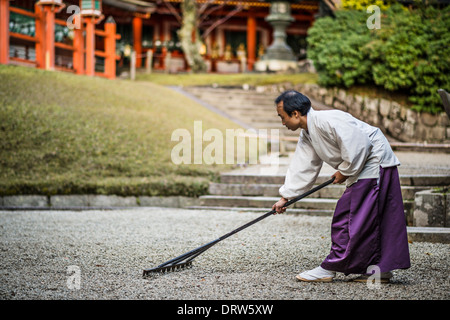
<point>415,57</point>
<point>335,47</point>
<point>409,54</point>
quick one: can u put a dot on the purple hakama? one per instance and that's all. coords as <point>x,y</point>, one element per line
<point>369,227</point>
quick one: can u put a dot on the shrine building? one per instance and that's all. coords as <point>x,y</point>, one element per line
<point>95,37</point>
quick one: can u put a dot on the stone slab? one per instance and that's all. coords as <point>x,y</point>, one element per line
<point>25,201</point>
<point>167,202</point>
<point>424,234</point>
<point>111,201</point>
<point>61,201</point>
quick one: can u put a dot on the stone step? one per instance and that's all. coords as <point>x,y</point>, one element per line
<point>263,202</point>
<point>300,209</point>
<point>268,190</point>
<point>405,180</point>
<point>242,101</point>
<point>271,190</point>
<point>232,93</point>
<point>252,116</point>
<point>429,234</point>
<point>273,120</point>
<point>229,106</point>
<point>309,206</point>
<point>295,211</point>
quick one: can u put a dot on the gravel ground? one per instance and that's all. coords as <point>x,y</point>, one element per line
<point>42,251</point>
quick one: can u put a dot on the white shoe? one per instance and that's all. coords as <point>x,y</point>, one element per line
<point>318,274</point>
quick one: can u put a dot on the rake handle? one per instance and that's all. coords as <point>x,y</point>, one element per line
<point>273,211</point>
<point>194,253</point>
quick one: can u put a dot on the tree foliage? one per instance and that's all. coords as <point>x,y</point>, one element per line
<point>410,53</point>
<point>363,4</point>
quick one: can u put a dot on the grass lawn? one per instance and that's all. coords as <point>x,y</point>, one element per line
<point>253,79</point>
<point>67,134</point>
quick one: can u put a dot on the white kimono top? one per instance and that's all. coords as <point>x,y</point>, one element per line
<point>350,146</point>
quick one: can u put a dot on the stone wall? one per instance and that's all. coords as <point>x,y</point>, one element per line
<point>397,121</point>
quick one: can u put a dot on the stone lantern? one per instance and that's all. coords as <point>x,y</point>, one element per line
<point>278,56</point>
<point>55,3</point>
<point>92,8</point>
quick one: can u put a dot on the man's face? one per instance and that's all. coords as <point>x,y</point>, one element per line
<point>293,122</point>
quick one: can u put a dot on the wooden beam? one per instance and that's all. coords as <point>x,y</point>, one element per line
<point>23,37</point>
<point>23,12</point>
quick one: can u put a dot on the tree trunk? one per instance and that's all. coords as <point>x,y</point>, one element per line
<point>190,37</point>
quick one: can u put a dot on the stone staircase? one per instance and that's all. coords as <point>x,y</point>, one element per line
<point>241,190</point>
<point>253,108</point>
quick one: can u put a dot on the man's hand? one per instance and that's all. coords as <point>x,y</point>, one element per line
<point>339,177</point>
<point>279,206</point>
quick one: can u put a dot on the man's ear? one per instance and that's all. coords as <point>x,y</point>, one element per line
<point>295,114</point>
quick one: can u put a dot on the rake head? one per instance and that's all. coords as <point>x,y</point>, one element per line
<point>167,268</point>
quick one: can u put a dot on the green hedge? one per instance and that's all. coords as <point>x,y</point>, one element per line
<point>171,185</point>
<point>409,54</point>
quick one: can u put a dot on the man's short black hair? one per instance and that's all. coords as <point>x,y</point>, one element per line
<point>293,100</point>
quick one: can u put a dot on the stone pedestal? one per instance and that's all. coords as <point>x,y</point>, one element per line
<point>432,209</point>
<point>275,65</point>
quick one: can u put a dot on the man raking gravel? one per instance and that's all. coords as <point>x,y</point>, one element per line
<point>368,227</point>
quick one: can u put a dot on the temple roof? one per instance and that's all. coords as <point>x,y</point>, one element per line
<point>150,5</point>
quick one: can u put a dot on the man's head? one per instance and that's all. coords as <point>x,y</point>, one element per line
<point>292,108</point>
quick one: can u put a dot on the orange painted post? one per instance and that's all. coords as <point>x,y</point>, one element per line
<point>47,32</point>
<point>110,48</point>
<point>251,42</point>
<point>90,46</point>
<point>91,11</point>
<point>40,38</point>
<point>137,39</point>
<point>78,52</point>
<point>49,50</point>
<point>4,31</point>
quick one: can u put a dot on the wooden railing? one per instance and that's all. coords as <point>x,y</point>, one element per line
<point>75,59</point>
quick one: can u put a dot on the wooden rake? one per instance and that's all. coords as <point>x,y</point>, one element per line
<point>185,259</point>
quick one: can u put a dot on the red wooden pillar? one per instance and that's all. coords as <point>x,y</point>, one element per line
<point>137,40</point>
<point>110,48</point>
<point>251,42</point>
<point>45,55</point>
<point>4,31</point>
<point>90,45</point>
<point>49,49</point>
<point>91,14</point>
<point>40,36</point>
<point>78,53</point>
